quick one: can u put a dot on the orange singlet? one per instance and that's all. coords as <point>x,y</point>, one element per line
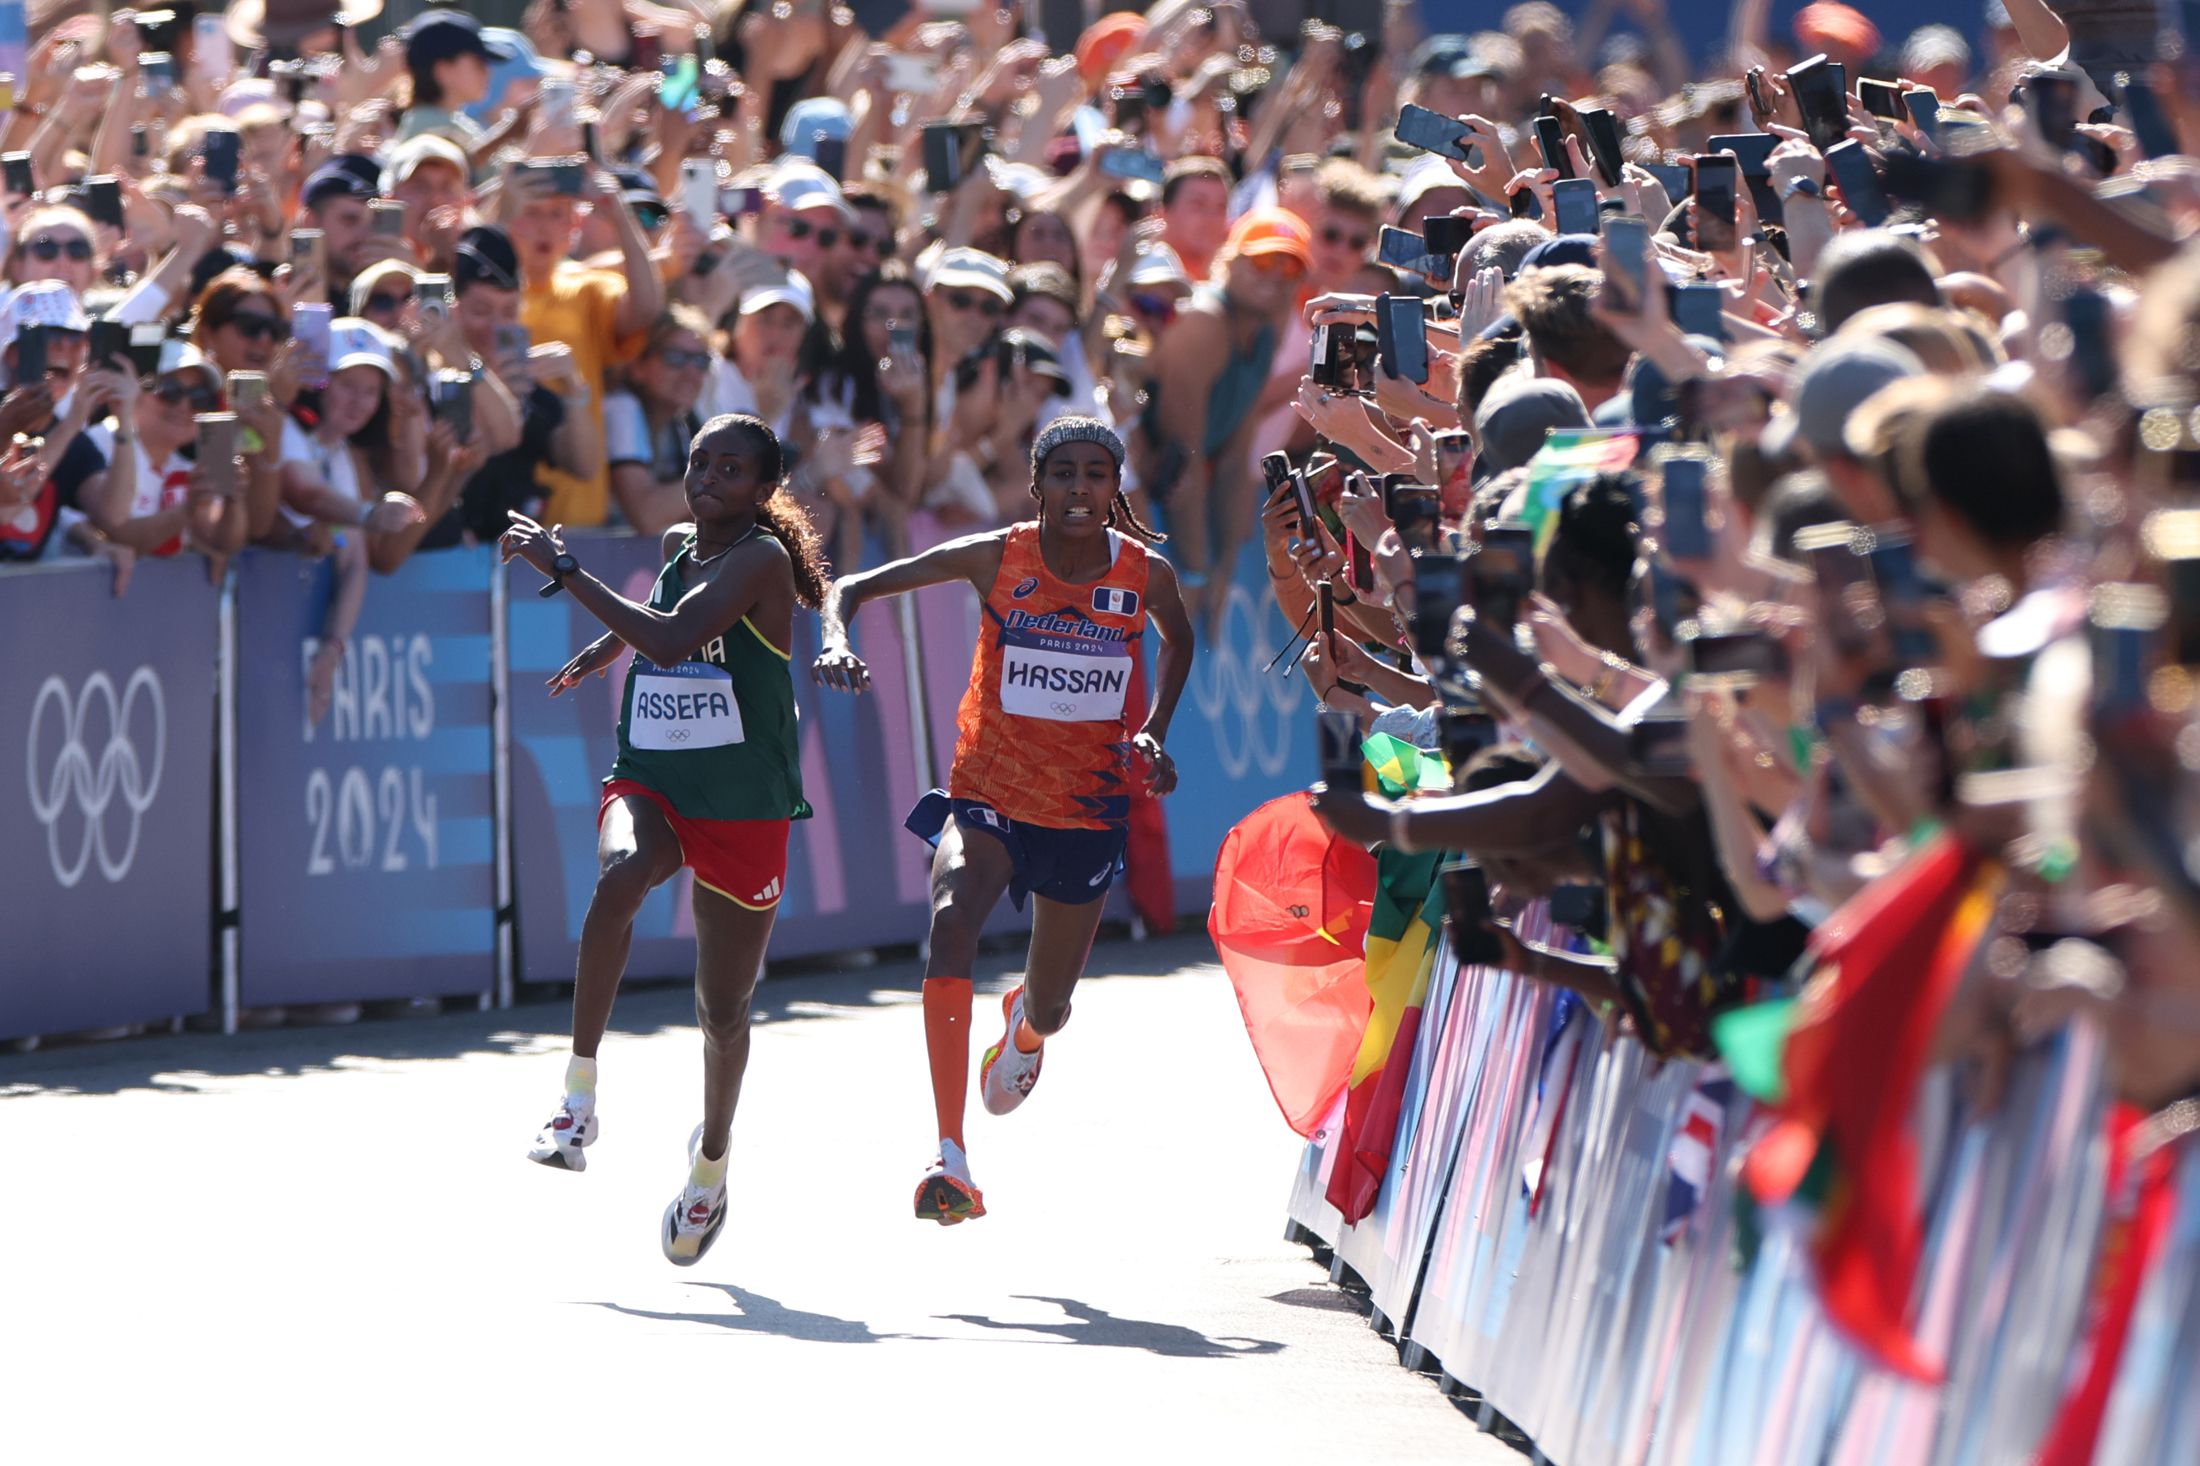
<point>1043,735</point>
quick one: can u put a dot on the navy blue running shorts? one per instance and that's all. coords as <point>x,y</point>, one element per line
<point>1073,867</point>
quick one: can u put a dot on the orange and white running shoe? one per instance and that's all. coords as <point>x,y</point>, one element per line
<point>947,1195</point>
<point>1008,1073</point>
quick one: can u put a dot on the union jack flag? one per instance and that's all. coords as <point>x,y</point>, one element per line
<point>1695,1144</point>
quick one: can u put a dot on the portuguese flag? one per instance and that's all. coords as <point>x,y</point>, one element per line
<point>1839,1068</point>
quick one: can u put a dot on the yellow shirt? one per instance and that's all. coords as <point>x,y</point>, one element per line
<point>579,308</point>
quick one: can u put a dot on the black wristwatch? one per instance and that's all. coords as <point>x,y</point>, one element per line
<point>560,568</point>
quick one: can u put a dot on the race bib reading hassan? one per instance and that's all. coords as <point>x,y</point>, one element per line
<point>684,707</point>
<point>1063,668</point>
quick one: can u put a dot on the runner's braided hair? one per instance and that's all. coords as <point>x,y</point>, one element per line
<point>781,517</point>
<point>1091,430</point>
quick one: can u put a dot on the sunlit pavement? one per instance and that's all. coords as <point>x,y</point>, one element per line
<point>325,1244</point>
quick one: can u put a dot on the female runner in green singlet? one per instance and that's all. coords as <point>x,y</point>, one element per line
<point>708,775</point>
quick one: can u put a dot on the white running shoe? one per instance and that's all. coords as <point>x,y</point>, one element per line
<point>1008,1073</point>
<point>560,1142</point>
<point>695,1215</point>
<point>947,1195</point>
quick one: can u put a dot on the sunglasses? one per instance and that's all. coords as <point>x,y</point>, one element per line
<point>864,238</point>
<point>253,326</point>
<point>377,305</point>
<point>46,247</point>
<point>1333,236</point>
<point>682,360</point>
<point>1163,306</point>
<point>1282,265</point>
<point>201,397</point>
<point>799,228</point>
<point>984,305</point>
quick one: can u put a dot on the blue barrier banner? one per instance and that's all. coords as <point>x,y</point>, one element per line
<point>366,841</point>
<point>855,878</point>
<point>1243,733</point>
<point>106,804</point>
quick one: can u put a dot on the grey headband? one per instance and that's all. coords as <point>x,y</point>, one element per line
<point>1075,430</point>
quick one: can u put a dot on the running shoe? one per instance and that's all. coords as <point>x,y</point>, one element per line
<point>947,1195</point>
<point>695,1215</point>
<point>560,1142</point>
<point>1008,1073</point>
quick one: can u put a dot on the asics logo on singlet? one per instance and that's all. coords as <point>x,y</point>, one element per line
<point>76,779</point>
<point>1024,587</point>
<point>1062,623</point>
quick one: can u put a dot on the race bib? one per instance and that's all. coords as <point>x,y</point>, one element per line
<point>1064,686</point>
<point>682,708</point>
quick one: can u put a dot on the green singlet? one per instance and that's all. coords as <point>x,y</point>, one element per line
<point>716,734</point>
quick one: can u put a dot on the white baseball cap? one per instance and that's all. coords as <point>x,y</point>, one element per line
<point>971,269</point>
<point>794,290</point>
<point>41,303</point>
<point>801,185</point>
<point>353,341</point>
<point>407,156</point>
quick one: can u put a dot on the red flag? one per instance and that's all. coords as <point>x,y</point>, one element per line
<point>1888,962</point>
<point>2141,1203</point>
<point>1290,922</point>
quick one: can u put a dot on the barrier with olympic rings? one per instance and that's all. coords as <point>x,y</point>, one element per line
<point>106,819</point>
<point>433,833</point>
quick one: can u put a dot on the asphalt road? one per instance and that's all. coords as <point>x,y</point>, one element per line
<point>315,1245</point>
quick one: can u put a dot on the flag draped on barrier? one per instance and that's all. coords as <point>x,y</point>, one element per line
<point>1290,924</point>
<point>1402,934</point>
<point>1887,964</point>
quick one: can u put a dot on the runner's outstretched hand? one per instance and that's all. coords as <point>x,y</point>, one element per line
<point>839,666</point>
<point>1160,768</point>
<point>596,657</point>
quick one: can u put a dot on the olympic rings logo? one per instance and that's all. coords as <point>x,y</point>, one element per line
<point>1248,707</point>
<point>76,780</point>
<point>1064,708</point>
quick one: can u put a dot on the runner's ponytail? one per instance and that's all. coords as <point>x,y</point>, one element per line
<point>779,514</point>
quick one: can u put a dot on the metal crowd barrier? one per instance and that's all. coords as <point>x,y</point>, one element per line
<point>1536,1239</point>
<point>181,837</point>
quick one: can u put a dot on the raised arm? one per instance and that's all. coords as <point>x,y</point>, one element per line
<point>974,560</point>
<point>664,637</point>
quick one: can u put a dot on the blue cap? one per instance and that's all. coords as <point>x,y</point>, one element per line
<point>810,117</point>
<point>512,57</point>
<point>1566,249</point>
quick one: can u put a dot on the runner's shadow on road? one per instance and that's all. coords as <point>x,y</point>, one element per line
<point>761,1315</point>
<point>1100,1329</point>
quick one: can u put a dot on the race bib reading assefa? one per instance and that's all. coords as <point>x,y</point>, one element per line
<point>681,708</point>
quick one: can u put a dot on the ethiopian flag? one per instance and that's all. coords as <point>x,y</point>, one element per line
<point>1403,929</point>
<point>1402,933</point>
<point>1567,459</point>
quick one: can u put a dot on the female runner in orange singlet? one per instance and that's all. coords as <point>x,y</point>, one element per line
<point>1039,796</point>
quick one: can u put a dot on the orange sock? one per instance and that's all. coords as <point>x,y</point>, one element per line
<point>1027,1038</point>
<point>947,1003</point>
